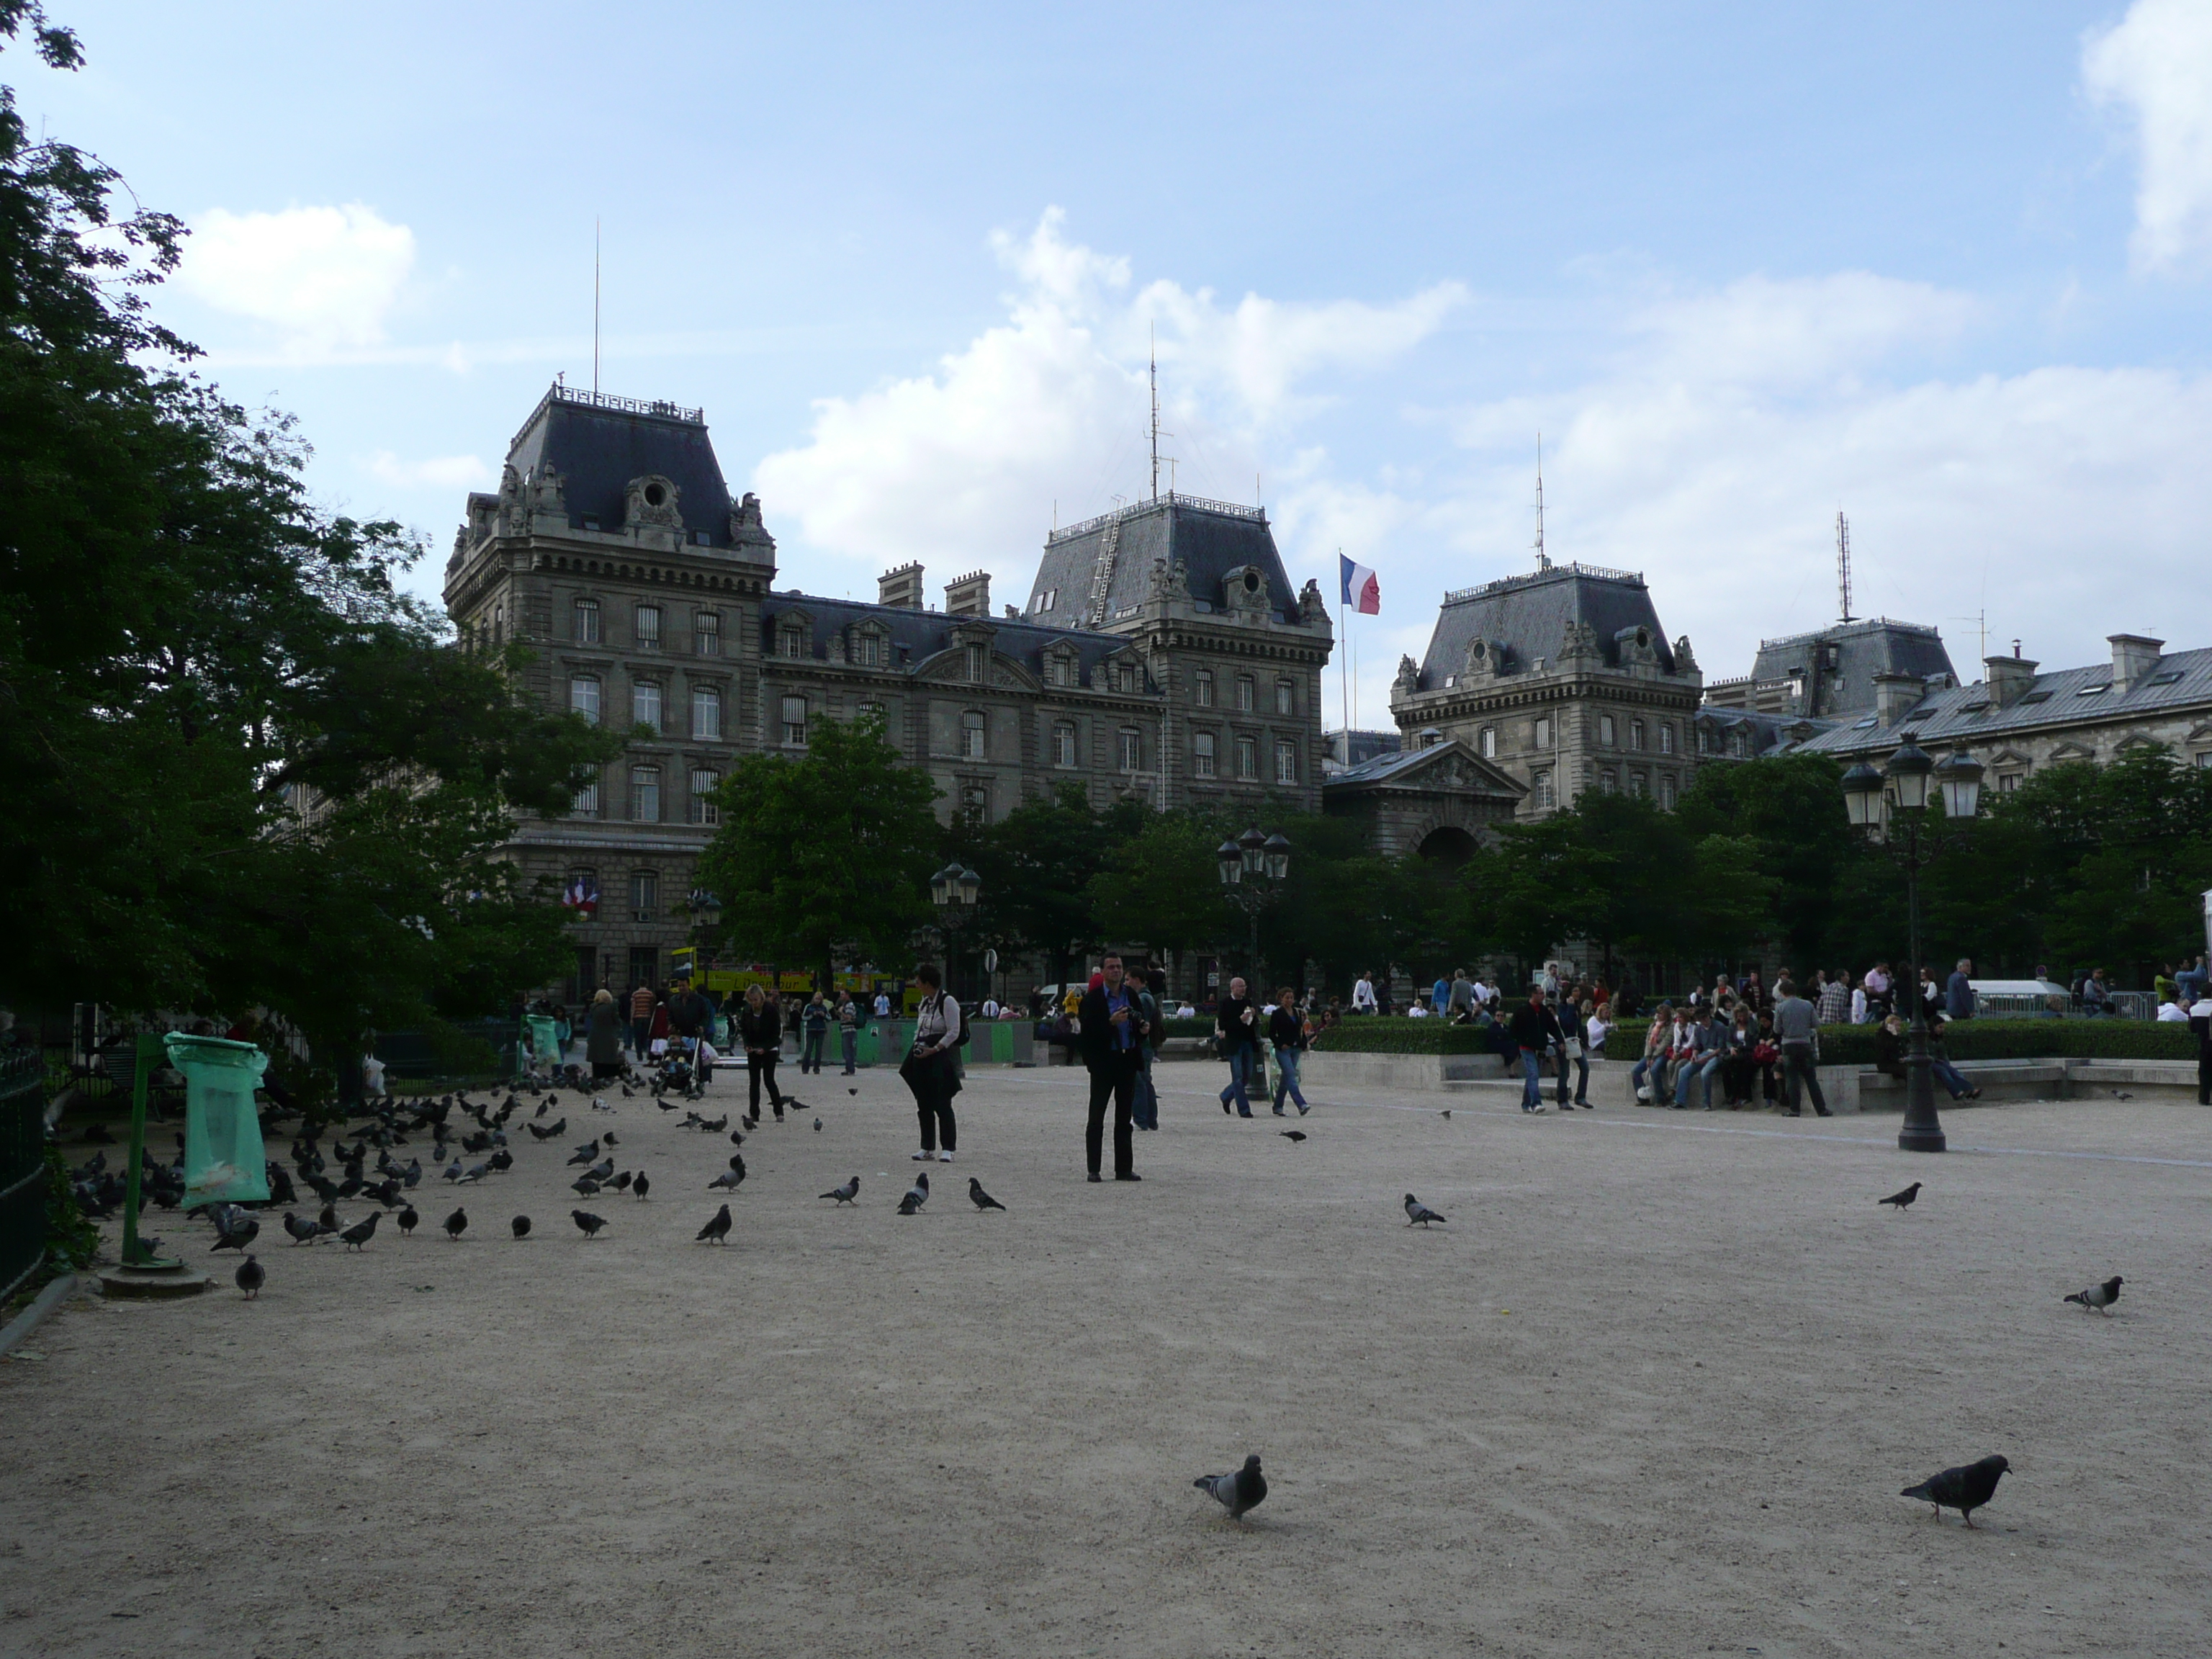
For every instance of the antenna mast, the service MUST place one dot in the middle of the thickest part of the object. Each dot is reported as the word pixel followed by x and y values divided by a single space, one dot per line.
pixel 1543 559
pixel 1844 561
pixel 1156 413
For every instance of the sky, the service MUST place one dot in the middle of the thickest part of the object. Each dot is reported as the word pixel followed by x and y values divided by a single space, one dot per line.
pixel 1944 268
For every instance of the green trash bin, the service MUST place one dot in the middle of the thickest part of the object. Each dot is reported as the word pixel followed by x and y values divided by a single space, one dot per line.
pixel 545 1039
pixel 223 1156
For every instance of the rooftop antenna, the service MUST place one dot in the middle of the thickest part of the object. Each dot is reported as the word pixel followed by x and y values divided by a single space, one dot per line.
pixel 1844 561
pixel 1156 416
pixel 595 306
pixel 1543 559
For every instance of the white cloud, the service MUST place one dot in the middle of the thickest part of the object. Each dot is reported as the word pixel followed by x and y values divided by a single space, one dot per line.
pixel 439 472
pixel 2156 64
pixel 962 467
pixel 320 279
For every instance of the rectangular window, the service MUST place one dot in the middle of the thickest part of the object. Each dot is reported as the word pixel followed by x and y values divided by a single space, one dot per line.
pixel 645 794
pixel 1063 746
pixel 1125 676
pixel 1204 685
pixel 872 650
pixel 788 642
pixel 1635 785
pixel 975 801
pixel 1132 750
pixel 2008 782
pixel 1543 730
pixel 587 621
pixel 1248 758
pixel 1609 782
pixel 1284 697
pixel 648 628
pixel 794 722
pixel 1201 754
pixel 872 711
pixel 587 804
pixel 975 665
pixel 1667 791
pixel 1245 694
pixel 1636 736
pixel 704 782
pixel 972 734
pixel 707 633
pixel 1490 743
pixel 1545 799
pixel 1605 729
pixel 707 713
pixel 584 696
pixel 1666 736
pixel 1046 600
pixel 1286 762
pixel 645 705
pixel 644 896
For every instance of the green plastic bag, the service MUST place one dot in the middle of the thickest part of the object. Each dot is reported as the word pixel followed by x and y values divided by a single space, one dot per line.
pixel 545 1039
pixel 223 1157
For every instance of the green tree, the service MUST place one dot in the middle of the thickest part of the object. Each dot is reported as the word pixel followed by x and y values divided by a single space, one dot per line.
pixel 1162 886
pixel 824 854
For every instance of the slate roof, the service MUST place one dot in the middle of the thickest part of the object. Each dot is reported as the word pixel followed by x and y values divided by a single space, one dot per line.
pixel 1770 734
pixel 917 635
pixel 1210 538
pixel 1527 618
pixel 599 444
pixel 1968 715
pixel 1863 649
pixel 1384 767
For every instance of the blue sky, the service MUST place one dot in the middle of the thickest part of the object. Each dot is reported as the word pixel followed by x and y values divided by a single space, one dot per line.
pixel 1944 267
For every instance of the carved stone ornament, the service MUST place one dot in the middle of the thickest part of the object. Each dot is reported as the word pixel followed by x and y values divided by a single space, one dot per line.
pixel 1684 660
pixel 650 500
pixel 1409 675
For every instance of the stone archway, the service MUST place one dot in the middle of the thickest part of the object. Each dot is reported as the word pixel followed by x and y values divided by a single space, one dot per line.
pixel 1448 845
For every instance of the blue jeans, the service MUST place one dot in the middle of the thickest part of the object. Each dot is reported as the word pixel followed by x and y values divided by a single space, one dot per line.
pixel 1240 1068
pixel 1652 1070
pixel 1948 1074
pixel 1146 1107
pixel 810 1058
pixel 1689 1074
pixel 1287 1067
pixel 1532 1079
pixel 850 1037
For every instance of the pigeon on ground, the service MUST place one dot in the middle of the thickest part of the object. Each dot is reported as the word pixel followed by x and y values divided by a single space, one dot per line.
pixel 983 1200
pixel 638 1187
pixel 521 1225
pixel 250 1277
pixel 729 1181
pixel 818 1126
pixel 303 1232
pixel 584 1188
pixel 608 1139
pixel 586 1154
pixel 477 1173
pixel 717 1126
pixel 1291 1134
pixel 851 1091
pixel 457 1224
pixel 1965 1489
pixel 2120 1094
pixel 453 1171
pixel 1447 1111
pixel 362 1231
pixel 2099 1296
pixel 237 1232
pixel 602 1172
pixel 1418 1212
pixel 621 1181
pixel 717 1230
pixel 737 1136
pixel 916 1196
pixel 1238 1491
pixel 846 1193
pixel 327 1220
pixel 591 1224
pixel 409 1221
pixel 1904 1199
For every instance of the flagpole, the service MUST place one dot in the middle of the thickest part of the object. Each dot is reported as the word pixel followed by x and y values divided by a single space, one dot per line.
pixel 1343 675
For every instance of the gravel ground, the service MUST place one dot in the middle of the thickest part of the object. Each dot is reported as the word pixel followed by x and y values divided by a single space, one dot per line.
pixel 1653 1390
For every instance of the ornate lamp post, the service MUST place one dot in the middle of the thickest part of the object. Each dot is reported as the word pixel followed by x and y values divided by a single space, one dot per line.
pixel 956 891
pixel 1901 791
pixel 705 913
pixel 1254 869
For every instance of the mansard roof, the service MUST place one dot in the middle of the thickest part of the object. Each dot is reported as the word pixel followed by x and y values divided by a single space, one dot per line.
pixel 1210 539
pixel 1839 663
pixel 1525 617
pixel 600 443
pixel 915 637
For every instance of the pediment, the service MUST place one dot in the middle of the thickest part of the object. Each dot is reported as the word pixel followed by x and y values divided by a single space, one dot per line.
pixel 2011 757
pixel 2073 751
pixel 1452 765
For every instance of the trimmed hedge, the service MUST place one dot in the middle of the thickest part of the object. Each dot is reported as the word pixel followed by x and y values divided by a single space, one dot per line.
pixel 1984 1039
pixel 1198 1025
pixel 1371 1034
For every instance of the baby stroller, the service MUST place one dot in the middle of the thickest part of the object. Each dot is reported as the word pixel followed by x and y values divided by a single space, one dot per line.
pixel 679 1071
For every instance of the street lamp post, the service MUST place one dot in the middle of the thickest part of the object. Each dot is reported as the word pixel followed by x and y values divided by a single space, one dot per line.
pixel 1901 788
pixel 705 911
pixel 1254 868
pixel 956 892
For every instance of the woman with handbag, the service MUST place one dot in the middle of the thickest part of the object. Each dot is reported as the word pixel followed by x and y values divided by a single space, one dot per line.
pixel 930 1070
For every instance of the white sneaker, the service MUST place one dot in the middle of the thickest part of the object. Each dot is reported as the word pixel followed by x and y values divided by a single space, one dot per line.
pixel 945 1157
pixel 923 1156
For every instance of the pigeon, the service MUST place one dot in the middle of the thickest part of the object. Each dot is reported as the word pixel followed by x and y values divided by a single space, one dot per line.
pixel 981 1200
pixel 1417 1210
pixel 453 1171
pixel 478 1173
pixel 1447 1112
pixel 457 1224
pixel 638 1186
pixel 585 1188
pixel 717 1126
pixel 621 1181
pixel 609 1139
pixel 729 1181
pixel 846 1193
pixel 2120 1094
pixel 818 1126
pixel 851 1091
pixel 591 1224
pixel 717 1230
pixel 521 1225
pixel 1291 1134
pixel 586 1153
pixel 916 1196
pixel 1238 1491
pixel 737 1136
pixel 237 1232
pixel 250 1277
pixel 303 1232
pixel 2099 1296
pixel 408 1221
pixel 327 1221
pixel 1904 1199
pixel 1965 1489
pixel 602 1172
pixel 362 1231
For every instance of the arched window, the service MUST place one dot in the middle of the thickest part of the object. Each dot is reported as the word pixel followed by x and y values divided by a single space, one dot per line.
pixel 794 722
pixel 1286 762
pixel 972 734
pixel 1203 684
pixel 707 633
pixel 587 621
pixel 584 696
pixel 1132 750
pixel 707 713
pixel 1245 694
pixel 1284 697
pixel 1063 746
pixel 1202 754
pixel 1248 759
pixel 1635 785
pixel 645 705
pixel 645 794
pixel 704 782
pixel 1609 782
pixel 975 801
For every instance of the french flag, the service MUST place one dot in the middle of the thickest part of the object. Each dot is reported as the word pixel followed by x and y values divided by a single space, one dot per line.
pixel 1362 592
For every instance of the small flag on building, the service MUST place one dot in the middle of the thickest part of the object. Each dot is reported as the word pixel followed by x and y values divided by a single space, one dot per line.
pixel 1362 592
pixel 582 893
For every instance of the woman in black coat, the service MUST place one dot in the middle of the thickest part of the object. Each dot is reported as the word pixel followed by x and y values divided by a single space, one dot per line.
pixel 760 1028
pixel 602 1036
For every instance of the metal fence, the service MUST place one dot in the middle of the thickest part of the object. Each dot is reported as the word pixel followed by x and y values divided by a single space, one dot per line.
pixel 22 1165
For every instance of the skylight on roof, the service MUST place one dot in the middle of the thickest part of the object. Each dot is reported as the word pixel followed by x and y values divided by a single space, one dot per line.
pixel 1982 708
pixel 2094 690
pixel 2166 678
pixel 2036 696
pixel 1864 724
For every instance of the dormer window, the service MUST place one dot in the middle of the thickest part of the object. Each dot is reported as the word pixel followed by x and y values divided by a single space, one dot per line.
pixel 1125 676
pixel 975 654
pixel 868 649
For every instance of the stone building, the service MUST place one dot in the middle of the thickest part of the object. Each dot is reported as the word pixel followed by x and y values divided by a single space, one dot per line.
pixel 1164 655
pixel 1830 674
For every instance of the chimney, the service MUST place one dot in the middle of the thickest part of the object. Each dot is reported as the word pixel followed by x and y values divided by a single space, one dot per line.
pixel 2009 676
pixel 968 595
pixel 2134 656
pixel 901 587
pixel 1896 696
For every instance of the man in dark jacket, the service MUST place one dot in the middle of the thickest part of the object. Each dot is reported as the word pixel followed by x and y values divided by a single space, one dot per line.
pixel 1237 1038
pixel 1533 1028
pixel 1112 1041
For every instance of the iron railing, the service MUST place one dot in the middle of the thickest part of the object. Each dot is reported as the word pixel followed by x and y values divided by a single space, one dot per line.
pixel 22 1165
pixel 1228 510
pixel 1602 572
